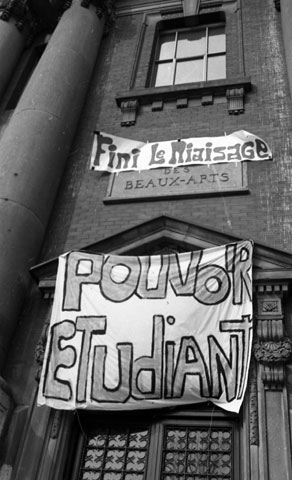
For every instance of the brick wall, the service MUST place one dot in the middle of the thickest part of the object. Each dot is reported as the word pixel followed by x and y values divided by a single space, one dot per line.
pixel 80 217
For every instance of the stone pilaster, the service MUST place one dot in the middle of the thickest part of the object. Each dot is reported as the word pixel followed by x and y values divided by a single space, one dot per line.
pixel 34 148
pixel 272 350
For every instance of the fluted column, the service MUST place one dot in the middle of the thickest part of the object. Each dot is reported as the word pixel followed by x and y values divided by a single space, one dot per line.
pixel 34 148
pixel 286 15
pixel 16 25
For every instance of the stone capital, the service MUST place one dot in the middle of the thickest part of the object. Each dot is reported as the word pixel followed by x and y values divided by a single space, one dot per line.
pixel 19 12
pixel 102 8
pixel 273 353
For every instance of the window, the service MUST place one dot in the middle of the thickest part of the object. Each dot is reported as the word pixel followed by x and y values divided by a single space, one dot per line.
pixel 190 55
pixel 184 60
pixel 199 447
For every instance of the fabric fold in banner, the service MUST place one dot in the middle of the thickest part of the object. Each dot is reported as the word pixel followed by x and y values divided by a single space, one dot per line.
pixel 150 331
pixel 116 154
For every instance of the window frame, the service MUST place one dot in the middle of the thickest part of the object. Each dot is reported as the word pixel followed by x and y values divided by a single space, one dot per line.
pixel 176 60
pixel 140 92
pixel 202 415
pixel 196 422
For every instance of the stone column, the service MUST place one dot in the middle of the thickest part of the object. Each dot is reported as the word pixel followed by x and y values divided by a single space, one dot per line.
pixel 17 24
pixel 35 145
pixel 286 14
pixel 272 349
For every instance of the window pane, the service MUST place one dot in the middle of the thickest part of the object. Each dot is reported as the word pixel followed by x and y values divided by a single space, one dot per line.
pixel 191 44
pixel 216 67
pixel 189 71
pixel 217 40
pixel 167 43
pixel 164 74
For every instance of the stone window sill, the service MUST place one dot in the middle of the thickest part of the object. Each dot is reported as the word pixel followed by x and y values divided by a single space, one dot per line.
pixel 233 88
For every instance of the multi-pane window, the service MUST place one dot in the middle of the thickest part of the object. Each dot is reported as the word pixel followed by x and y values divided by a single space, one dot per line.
pixel 116 453
pixel 190 55
pixel 165 450
pixel 197 453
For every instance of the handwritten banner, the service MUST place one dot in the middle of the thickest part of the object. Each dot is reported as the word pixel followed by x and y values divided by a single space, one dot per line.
pixel 116 154
pixel 150 331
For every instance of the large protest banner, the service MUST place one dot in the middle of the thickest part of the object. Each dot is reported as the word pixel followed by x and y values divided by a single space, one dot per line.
pixel 150 331
pixel 116 154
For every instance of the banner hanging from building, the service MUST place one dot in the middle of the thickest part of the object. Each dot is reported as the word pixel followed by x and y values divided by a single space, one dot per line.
pixel 116 154
pixel 150 331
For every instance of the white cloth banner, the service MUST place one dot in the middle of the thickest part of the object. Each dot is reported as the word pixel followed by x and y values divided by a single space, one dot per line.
pixel 151 331
pixel 116 154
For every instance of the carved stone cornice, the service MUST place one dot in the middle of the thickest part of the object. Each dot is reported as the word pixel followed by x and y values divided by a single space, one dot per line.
pixel 19 11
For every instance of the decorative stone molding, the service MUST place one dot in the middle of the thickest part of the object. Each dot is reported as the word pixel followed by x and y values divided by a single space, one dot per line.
pixel 129 110
pixel 270 328
pixel 207 100
pixel 15 8
pixel 204 91
pixel 277 5
pixel 102 8
pixel 273 352
pixel 56 423
pixel 182 102
pixel 273 377
pixel 21 13
pixel 40 351
pixel 272 287
pixel 271 348
pixel 235 97
pixel 67 4
pixel 157 106
pixel 253 406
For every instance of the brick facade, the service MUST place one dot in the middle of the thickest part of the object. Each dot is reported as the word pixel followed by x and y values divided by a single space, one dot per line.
pixel 40 443
pixel 80 216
